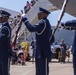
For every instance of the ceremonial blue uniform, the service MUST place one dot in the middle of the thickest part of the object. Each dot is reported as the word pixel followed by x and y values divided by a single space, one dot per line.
pixel 72 24
pixel 5 36
pixel 43 47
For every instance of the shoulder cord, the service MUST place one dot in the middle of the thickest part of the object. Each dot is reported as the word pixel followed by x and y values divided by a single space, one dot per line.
pixel 42 30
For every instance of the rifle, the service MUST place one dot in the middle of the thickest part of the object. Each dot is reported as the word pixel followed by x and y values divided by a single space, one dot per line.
pixel 15 36
pixel 60 17
pixel 19 26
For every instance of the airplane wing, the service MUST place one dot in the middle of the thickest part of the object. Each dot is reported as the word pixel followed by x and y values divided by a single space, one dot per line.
pixel 71 6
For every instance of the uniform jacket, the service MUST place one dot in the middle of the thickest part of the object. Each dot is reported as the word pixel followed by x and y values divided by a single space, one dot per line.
pixel 72 24
pixel 5 36
pixel 43 32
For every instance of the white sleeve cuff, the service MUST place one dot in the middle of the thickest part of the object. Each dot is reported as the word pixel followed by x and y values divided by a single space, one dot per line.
pixel 26 21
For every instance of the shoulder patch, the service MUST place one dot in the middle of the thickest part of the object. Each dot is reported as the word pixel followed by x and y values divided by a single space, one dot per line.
pixel 5 27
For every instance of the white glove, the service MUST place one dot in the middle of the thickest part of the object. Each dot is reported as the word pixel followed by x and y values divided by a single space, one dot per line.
pixel 24 18
pixel 23 15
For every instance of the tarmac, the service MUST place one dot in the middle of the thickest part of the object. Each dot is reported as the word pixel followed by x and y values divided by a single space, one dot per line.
pixel 55 68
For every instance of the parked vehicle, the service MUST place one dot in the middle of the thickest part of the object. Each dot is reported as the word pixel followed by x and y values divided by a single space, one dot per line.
pixel 55 51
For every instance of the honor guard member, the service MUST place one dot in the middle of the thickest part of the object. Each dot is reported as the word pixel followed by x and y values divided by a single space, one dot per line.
pixel 43 47
pixel 72 25
pixel 5 36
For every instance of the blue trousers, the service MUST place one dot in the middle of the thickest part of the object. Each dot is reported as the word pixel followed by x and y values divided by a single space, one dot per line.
pixel 74 63
pixel 42 66
pixel 4 70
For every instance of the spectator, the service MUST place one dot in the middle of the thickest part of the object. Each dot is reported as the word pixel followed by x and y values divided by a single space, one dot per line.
pixel 28 5
pixel 63 50
pixel 18 17
pixel 21 55
pixel 33 2
pixel 25 9
pixel 15 21
pixel 11 24
pixel 21 11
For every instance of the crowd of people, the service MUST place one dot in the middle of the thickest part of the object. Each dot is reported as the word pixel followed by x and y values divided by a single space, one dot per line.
pixel 21 52
pixel 29 5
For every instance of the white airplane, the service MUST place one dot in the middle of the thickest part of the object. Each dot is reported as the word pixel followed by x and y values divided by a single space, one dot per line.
pixel 71 6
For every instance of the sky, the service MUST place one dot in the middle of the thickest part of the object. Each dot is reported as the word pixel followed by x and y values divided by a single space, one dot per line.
pixel 53 17
pixel 18 5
